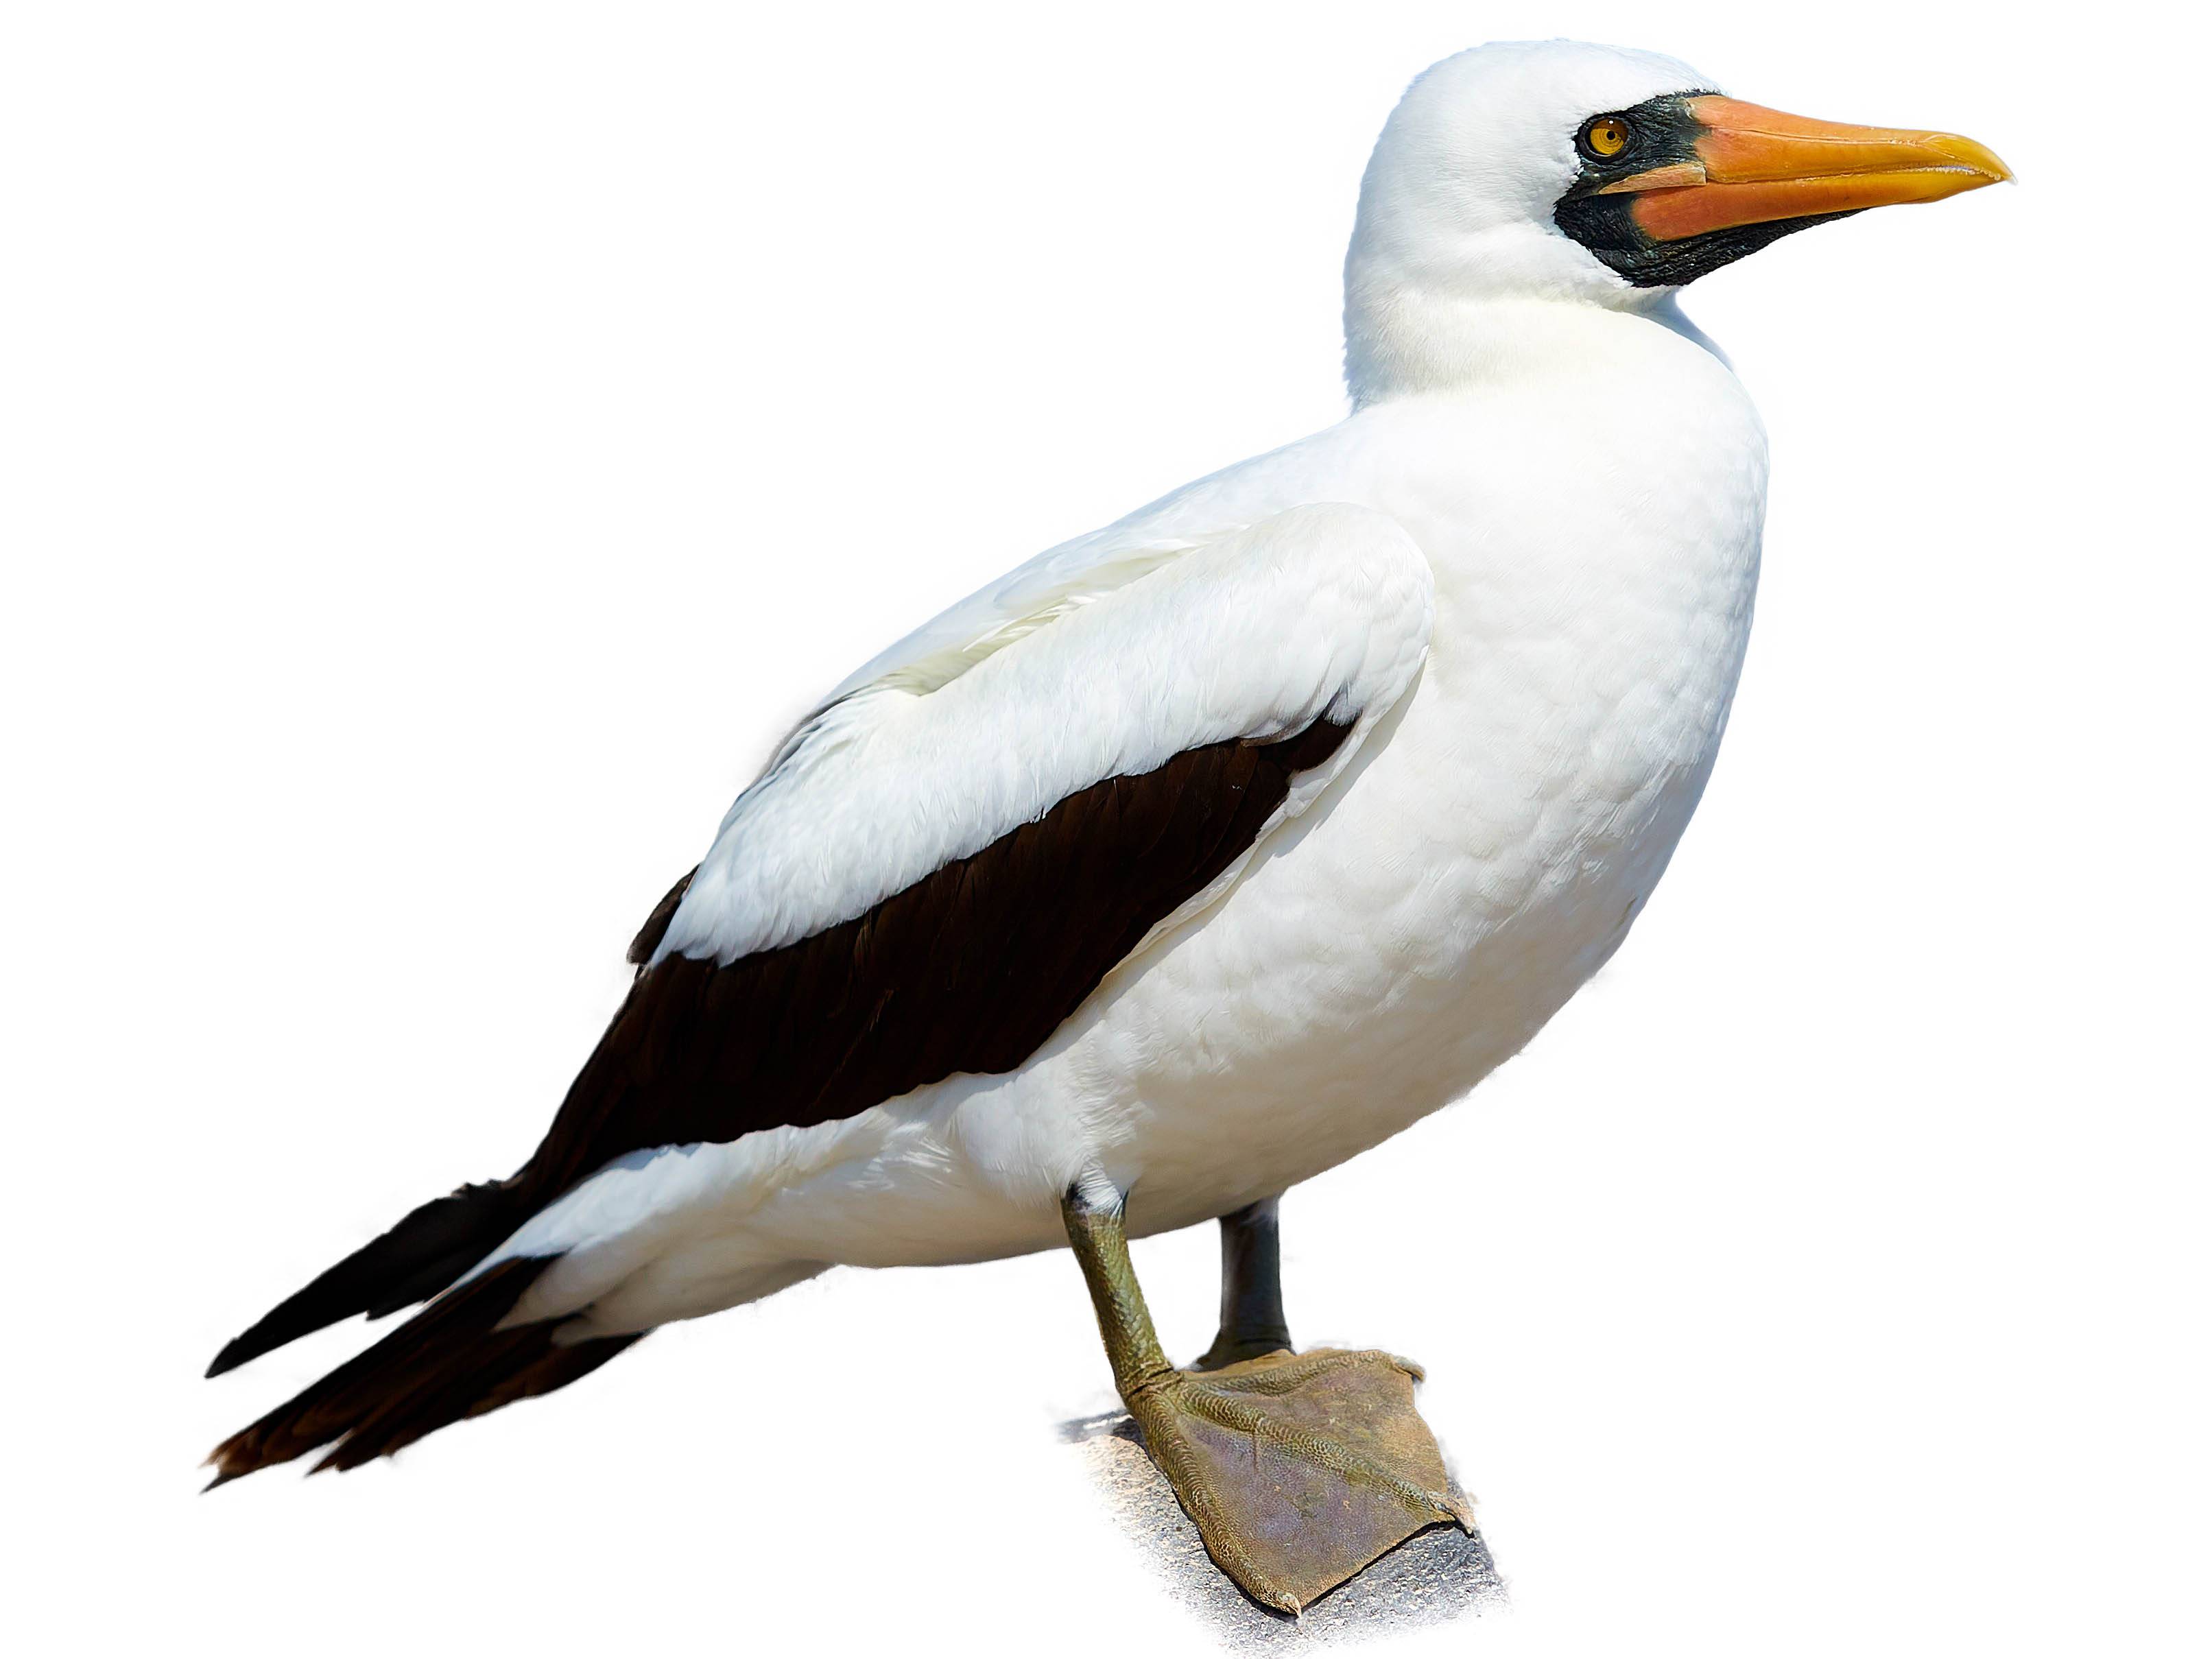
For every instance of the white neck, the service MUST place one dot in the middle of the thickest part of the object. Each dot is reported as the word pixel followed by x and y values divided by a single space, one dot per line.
pixel 1400 340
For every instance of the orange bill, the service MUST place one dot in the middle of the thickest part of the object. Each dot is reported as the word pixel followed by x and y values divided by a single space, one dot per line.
pixel 1755 165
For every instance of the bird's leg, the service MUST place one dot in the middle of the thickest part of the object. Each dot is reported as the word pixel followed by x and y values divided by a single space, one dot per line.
pixel 1252 1321
pixel 1297 1469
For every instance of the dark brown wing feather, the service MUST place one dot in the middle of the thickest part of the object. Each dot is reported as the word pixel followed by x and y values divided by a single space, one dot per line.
pixel 656 925
pixel 969 969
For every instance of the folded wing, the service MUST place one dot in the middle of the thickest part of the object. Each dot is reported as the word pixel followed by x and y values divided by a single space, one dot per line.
pixel 946 860
pixel 930 881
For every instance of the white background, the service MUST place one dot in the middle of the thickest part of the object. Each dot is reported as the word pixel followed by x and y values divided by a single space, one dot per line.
pixel 444 444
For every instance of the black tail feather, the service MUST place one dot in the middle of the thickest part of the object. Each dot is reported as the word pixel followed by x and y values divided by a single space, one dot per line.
pixel 450 1362
pixel 527 1364
pixel 430 1248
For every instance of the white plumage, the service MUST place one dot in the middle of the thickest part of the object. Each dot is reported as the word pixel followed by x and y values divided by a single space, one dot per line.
pixel 1204 852
pixel 1523 570
pixel 1242 631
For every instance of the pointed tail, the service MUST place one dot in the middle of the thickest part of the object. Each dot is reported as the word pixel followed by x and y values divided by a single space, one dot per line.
pixel 430 1248
pixel 451 1361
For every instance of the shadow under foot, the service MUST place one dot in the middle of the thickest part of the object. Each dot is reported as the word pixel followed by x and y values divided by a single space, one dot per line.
pixel 1434 1575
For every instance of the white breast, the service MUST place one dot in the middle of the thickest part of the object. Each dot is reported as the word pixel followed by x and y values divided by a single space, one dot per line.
pixel 1592 524
pixel 1595 536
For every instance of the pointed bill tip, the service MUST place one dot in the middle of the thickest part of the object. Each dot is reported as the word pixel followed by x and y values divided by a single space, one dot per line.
pixel 1977 157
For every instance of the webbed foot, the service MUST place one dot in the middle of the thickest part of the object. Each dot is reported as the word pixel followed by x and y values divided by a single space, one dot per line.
pixel 1298 1469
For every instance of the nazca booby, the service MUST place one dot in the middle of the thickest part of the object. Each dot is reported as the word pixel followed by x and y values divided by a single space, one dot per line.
pixel 1205 851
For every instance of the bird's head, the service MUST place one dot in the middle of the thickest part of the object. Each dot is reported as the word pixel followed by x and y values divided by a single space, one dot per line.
pixel 1557 170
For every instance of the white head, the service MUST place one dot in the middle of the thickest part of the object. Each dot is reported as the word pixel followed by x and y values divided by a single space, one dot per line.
pixel 1555 171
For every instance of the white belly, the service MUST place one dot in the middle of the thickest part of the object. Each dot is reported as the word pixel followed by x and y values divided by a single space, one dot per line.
pixel 1467 877
pixel 1483 855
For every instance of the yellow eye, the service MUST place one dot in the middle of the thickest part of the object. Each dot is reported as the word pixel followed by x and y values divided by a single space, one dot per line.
pixel 1608 135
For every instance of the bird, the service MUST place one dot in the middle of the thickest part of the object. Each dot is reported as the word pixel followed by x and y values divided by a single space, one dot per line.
pixel 1203 852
